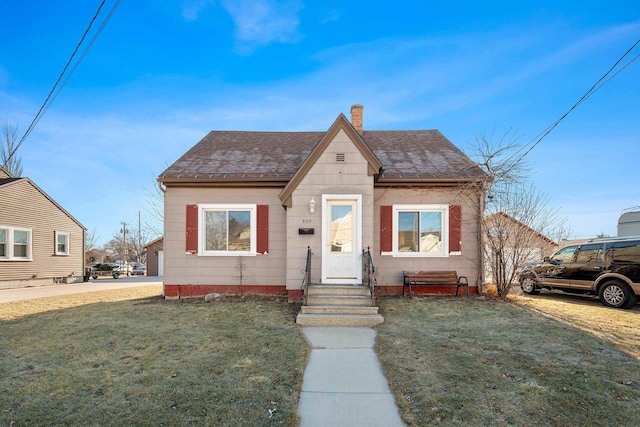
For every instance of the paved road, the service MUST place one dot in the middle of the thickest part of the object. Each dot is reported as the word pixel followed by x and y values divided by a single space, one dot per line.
pixel 8 295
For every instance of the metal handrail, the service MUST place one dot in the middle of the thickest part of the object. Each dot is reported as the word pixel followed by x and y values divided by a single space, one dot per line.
pixel 307 276
pixel 369 273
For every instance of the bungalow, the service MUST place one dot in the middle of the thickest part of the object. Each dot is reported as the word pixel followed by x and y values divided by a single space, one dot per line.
pixel 257 212
pixel 40 242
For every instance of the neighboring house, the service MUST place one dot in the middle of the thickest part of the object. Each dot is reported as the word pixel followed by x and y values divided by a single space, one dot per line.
pixel 241 209
pixel 155 258
pixel 40 242
pixel 519 243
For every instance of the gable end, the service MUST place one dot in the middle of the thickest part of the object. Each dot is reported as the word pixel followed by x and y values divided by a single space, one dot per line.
pixel 341 123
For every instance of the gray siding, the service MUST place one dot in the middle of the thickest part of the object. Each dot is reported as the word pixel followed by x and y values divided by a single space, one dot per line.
pixel 467 264
pixel 327 176
pixel 181 268
pixel 23 205
pixel 152 257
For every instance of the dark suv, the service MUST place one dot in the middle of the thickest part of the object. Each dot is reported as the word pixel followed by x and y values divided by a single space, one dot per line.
pixel 609 268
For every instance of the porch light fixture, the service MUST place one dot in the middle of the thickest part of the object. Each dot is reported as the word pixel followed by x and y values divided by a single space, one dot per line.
pixel 312 205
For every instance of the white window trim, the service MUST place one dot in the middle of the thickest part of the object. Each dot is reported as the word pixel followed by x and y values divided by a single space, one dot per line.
pixel 10 243
pixel 68 243
pixel 252 208
pixel 443 209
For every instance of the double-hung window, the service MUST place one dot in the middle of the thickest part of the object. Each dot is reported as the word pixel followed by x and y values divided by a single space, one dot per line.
pixel 227 229
pixel 15 243
pixel 3 243
pixel 62 243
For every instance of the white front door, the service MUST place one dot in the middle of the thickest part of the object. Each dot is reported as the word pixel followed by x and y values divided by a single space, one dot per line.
pixel 341 239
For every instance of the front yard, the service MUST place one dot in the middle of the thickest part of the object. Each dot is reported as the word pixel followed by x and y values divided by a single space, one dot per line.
pixel 145 361
pixel 129 358
pixel 547 360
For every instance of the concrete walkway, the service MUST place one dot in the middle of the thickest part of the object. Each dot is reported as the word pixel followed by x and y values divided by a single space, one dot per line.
pixel 343 384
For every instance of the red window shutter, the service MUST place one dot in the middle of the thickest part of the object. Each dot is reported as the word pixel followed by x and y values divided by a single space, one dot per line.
pixel 262 232
pixel 192 229
pixel 455 228
pixel 386 228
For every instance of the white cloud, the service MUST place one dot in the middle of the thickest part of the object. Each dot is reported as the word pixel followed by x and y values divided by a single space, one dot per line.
pixel 192 8
pixel 332 15
pixel 261 22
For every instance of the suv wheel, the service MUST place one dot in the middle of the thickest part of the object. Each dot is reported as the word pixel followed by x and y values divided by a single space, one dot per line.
pixel 615 294
pixel 529 286
pixel 633 300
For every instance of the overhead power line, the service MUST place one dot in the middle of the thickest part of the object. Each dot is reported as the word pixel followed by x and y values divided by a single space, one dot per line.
pixel 64 76
pixel 596 86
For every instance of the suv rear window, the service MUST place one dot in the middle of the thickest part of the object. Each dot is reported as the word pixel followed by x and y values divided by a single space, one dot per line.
pixel 626 251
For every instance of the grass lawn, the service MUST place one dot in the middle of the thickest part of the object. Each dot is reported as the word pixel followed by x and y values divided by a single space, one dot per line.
pixel 105 359
pixel 546 360
pixel 127 357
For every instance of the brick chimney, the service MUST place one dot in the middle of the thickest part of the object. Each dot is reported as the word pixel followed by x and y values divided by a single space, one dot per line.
pixel 356 117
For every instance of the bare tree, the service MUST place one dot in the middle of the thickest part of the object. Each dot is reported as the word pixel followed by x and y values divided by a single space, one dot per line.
pixel 130 245
pixel 8 158
pixel 518 227
pixel 91 240
pixel 516 215
pixel 155 208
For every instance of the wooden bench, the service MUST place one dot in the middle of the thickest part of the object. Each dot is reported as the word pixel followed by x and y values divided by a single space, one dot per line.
pixel 434 278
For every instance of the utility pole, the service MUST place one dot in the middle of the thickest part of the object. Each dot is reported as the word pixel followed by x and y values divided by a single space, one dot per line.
pixel 124 242
pixel 139 249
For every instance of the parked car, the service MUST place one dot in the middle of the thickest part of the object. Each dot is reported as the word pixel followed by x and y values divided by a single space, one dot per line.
pixel 104 270
pixel 123 269
pixel 140 270
pixel 608 267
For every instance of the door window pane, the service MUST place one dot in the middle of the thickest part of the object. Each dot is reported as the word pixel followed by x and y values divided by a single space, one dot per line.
pixel 564 255
pixel 341 238
pixel 589 253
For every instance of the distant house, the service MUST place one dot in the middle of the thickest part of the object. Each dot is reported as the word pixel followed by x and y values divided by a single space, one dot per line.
pixel 155 257
pixel 519 243
pixel 629 222
pixel 241 209
pixel 40 242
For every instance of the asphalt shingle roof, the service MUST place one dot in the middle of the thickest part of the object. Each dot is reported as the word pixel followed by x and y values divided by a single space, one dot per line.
pixel 4 181
pixel 247 155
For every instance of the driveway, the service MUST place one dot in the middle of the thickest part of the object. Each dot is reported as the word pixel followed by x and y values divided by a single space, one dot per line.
pixel 20 294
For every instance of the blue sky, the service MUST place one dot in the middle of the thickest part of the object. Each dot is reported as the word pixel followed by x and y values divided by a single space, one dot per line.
pixel 164 73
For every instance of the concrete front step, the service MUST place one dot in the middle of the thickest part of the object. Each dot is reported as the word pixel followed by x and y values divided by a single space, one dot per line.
pixel 340 300
pixel 334 309
pixel 348 320
pixel 353 290
pixel 339 305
